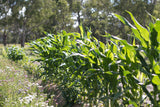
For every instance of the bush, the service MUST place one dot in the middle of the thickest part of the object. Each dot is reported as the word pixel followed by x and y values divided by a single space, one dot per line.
pixel 15 53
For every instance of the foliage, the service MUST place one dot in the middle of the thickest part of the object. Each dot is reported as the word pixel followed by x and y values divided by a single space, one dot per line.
pixel 84 69
pixel 25 20
pixel 145 56
pixel 115 74
pixel 15 53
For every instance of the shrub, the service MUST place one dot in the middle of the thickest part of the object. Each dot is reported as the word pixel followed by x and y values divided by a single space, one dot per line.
pixel 15 53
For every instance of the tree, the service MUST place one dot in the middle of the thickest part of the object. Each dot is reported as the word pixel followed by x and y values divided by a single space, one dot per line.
pixel 5 19
pixel 60 19
pixel 76 7
pixel 30 15
pixel 137 7
pixel 95 15
pixel 156 11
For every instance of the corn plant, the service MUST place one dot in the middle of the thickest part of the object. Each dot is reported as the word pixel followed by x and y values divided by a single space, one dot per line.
pixel 83 67
pixel 113 74
pixel 145 56
pixel 15 53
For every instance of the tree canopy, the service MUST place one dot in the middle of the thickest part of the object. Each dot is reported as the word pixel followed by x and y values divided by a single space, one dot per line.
pixel 25 20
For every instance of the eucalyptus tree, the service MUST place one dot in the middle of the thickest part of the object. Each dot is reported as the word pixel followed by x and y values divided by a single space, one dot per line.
pixel 96 14
pixel 138 7
pixel 5 19
pixel 156 11
pixel 76 7
pixel 30 15
pixel 61 17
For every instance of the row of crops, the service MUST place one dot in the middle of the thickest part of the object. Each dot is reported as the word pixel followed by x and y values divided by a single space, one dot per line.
pixel 114 73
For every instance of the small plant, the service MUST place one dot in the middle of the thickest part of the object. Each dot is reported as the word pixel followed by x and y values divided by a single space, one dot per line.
pixel 4 53
pixel 15 53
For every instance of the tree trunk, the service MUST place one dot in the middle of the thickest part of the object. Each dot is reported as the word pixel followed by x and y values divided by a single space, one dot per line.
pixel 4 38
pixel 23 36
pixel 79 21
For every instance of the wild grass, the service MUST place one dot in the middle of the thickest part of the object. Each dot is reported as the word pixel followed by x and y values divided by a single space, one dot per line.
pixel 17 89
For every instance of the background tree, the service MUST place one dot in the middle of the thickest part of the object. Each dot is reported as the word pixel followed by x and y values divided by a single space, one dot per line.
pixel 96 14
pixel 156 11
pixel 76 7
pixel 30 16
pixel 60 19
pixel 25 20
pixel 5 19
pixel 139 8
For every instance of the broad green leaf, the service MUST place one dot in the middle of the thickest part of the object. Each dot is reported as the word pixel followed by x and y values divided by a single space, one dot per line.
pixel 109 72
pixel 156 80
pixel 126 73
pixel 110 55
pixel 144 32
pixel 65 40
pixel 82 31
pixel 102 46
pixel 89 34
pixel 90 60
pixel 157 69
pixel 131 55
pixel 71 84
pixel 127 45
pixel 123 20
pixel 138 36
pixel 157 27
pixel 134 103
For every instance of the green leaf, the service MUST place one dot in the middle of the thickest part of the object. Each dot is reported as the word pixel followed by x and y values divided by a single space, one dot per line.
pixel 156 80
pixel 144 32
pixel 89 34
pixel 126 73
pixel 153 37
pixel 138 36
pixel 82 31
pixel 102 46
pixel 127 45
pixel 109 72
pixel 134 42
pixel 123 20
pixel 90 60
pixel 157 27
pixel 71 84
pixel 156 68
pixel 134 103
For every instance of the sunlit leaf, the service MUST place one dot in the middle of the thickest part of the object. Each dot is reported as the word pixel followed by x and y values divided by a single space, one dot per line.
pixel 156 80
pixel 144 32
pixel 123 20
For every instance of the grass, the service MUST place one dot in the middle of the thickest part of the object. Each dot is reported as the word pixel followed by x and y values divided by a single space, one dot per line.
pixel 1 45
pixel 17 89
